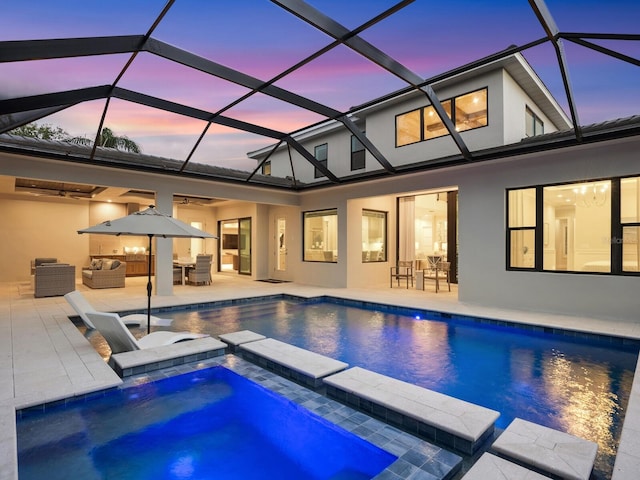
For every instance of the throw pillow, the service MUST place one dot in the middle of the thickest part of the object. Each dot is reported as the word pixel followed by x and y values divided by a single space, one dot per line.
pixel 106 264
pixel 115 264
pixel 96 264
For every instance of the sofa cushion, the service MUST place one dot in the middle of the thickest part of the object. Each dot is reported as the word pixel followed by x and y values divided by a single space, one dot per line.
pixel 115 264
pixel 106 264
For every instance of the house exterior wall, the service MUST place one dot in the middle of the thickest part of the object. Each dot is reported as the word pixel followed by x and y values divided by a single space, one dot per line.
pixel 515 102
pixel 483 276
pixel 506 104
pixel 30 229
pixel 380 126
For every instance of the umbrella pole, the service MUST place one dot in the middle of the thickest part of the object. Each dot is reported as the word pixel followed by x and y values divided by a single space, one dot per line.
pixel 149 288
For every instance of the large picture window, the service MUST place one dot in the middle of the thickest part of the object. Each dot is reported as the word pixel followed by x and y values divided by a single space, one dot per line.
pixel 320 236
pixel 374 236
pixel 466 111
pixel 574 227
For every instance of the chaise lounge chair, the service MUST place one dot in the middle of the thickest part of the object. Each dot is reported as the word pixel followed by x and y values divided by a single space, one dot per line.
pixel 121 340
pixel 82 306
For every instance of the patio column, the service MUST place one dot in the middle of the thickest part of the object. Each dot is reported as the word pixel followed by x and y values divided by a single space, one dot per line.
pixel 164 248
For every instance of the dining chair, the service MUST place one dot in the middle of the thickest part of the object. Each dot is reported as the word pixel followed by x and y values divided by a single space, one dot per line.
pixel 402 271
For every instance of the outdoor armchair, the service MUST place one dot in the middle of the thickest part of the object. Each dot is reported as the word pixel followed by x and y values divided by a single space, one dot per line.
pixel 54 279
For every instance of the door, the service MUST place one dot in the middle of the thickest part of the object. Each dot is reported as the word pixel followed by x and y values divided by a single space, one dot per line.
pixel 244 232
pixel 281 245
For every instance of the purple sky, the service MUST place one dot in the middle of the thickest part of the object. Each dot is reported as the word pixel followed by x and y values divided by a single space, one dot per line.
pixel 260 39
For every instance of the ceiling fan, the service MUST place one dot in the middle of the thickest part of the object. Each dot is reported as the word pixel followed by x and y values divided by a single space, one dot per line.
pixel 187 200
pixel 45 192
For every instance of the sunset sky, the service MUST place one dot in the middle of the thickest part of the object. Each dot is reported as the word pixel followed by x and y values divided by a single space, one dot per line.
pixel 260 39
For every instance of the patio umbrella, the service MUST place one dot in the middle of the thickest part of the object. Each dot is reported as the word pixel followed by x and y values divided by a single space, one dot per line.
pixel 150 223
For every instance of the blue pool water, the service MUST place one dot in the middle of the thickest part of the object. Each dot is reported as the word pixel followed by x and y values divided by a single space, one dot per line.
pixel 577 386
pixel 207 424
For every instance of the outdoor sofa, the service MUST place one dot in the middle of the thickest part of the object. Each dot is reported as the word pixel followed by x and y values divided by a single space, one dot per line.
pixel 104 273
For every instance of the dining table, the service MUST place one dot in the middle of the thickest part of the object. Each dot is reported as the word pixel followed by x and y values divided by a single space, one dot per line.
pixel 184 264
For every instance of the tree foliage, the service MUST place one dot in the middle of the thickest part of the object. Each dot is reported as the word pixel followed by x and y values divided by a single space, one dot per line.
pixel 106 139
pixel 43 131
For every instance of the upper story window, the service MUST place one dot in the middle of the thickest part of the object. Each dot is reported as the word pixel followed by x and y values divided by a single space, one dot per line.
pixel 533 124
pixel 466 111
pixel 266 168
pixel 321 152
pixel 357 154
pixel 575 227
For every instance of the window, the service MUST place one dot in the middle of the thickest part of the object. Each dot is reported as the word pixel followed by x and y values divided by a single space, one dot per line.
pixel 266 168
pixel 374 236
pixel 320 236
pixel 357 154
pixel 433 126
pixel 471 110
pixel 534 125
pixel 408 128
pixel 466 111
pixel 575 227
pixel 321 154
pixel 630 224
pixel 521 229
pixel 575 217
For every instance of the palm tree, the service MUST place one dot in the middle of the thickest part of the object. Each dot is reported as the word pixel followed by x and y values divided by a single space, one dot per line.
pixel 107 139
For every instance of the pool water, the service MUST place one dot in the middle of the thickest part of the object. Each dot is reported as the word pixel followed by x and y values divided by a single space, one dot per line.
pixel 207 424
pixel 573 385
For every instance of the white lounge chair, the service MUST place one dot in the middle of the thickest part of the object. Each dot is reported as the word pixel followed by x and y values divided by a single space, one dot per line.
pixel 121 340
pixel 82 306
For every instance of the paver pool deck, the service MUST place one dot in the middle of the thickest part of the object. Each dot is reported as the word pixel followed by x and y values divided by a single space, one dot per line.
pixel 44 357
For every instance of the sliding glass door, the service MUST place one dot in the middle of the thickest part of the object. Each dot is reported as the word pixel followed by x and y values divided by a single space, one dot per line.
pixel 427 227
pixel 235 245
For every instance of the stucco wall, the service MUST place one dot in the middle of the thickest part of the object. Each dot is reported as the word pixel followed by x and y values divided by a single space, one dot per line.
pixel 482 272
pixel 30 229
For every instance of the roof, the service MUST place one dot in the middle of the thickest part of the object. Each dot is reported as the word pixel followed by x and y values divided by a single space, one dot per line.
pixel 203 83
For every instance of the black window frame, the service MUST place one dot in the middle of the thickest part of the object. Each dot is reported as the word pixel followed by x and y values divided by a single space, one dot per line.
pixel 383 253
pixel 358 154
pixel 315 213
pixel 452 117
pixel 528 111
pixel 323 161
pixel 616 233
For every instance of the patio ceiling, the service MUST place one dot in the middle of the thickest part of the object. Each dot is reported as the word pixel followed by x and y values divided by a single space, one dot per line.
pixel 203 83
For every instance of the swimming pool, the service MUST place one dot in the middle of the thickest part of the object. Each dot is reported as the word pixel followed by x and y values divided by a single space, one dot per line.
pixel 572 384
pixel 212 423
